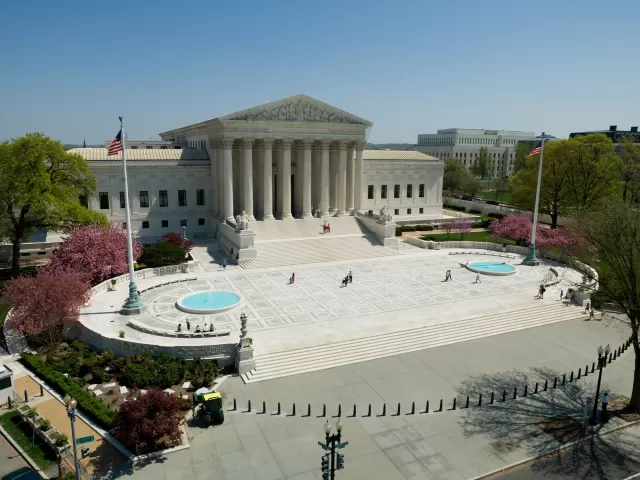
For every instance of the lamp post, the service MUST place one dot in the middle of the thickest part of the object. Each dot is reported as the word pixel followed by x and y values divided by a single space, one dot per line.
pixel 184 232
pixel 71 412
pixel 531 259
pixel 602 362
pixel 332 461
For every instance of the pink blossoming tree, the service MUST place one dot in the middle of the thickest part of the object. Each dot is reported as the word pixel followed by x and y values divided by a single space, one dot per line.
pixel 462 227
pixel 41 304
pixel 518 228
pixel 94 252
pixel 175 238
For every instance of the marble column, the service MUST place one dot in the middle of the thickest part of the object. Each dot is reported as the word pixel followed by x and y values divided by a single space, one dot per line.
pixel 267 181
pixel 227 149
pixel 333 178
pixel 306 178
pixel 284 176
pixel 213 152
pixel 350 160
pixel 342 178
pixel 221 182
pixel 247 180
pixel 358 186
pixel 324 178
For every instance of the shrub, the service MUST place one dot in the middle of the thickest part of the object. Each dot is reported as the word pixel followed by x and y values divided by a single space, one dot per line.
pixel 475 211
pixel 201 373
pixel 61 440
pixel 64 385
pixel 162 254
pixel 428 237
pixel 598 298
pixel 455 207
pixel 44 424
pixel 497 216
pixel 144 371
pixel 423 228
pixel 174 238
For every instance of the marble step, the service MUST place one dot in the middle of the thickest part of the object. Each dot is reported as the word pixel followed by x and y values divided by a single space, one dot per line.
pixel 281 364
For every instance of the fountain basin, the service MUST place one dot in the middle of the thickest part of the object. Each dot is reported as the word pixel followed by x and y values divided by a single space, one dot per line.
pixel 492 268
pixel 207 302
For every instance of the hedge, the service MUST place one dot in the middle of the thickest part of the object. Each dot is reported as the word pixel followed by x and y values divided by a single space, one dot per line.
pixel 497 216
pixel 455 207
pixel 475 211
pixel 413 228
pixel 93 407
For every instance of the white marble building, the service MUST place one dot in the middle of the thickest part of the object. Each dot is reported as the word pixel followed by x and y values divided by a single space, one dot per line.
pixel 292 158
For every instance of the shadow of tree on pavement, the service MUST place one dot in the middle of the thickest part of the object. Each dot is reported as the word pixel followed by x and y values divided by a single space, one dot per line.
pixel 541 422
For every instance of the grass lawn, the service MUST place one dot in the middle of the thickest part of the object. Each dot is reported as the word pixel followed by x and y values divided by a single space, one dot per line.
pixel 469 237
pixel 504 196
pixel 21 433
pixel 4 309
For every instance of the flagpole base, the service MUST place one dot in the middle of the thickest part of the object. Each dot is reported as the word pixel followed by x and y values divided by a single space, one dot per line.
pixel 531 260
pixel 133 305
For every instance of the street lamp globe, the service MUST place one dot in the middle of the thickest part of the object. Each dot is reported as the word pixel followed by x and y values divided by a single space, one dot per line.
pixel 327 428
pixel 67 399
pixel 339 425
pixel 73 403
pixel 607 349
pixel 600 351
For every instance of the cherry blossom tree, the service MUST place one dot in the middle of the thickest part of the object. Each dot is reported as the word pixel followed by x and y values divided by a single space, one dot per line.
pixel 42 304
pixel 175 238
pixel 148 422
pixel 462 227
pixel 518 228
pixel 95 252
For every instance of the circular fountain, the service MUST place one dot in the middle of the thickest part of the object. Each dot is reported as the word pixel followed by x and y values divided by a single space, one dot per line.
pixel 207 302
pixel 491 268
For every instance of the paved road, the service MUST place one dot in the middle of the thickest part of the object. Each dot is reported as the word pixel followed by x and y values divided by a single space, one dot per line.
pixel 590 460
pixel 11 461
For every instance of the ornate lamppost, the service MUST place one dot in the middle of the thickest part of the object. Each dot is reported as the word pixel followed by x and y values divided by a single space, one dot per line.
pixel 71 404
pixel 602 362
pixel 332 461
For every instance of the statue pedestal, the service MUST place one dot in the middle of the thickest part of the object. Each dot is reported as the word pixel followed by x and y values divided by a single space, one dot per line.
pixel 244 359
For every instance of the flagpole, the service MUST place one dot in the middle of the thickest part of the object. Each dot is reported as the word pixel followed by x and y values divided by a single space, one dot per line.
pixel 531 258
pixel 133 305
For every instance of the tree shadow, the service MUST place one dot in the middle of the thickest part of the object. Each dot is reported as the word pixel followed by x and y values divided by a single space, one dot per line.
pixel 107 466
pixel 542 422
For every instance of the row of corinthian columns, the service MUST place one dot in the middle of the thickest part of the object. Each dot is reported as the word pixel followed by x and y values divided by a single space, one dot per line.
pixel 328 177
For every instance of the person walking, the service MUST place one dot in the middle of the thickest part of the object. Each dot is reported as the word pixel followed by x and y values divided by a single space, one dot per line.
pixel 478 278
pixel 188 325
pixel 350 277
pixel 293 278
pixel 224 263
pixel 561 294
pixel 605 404
pixel 328 227
pixel 542 290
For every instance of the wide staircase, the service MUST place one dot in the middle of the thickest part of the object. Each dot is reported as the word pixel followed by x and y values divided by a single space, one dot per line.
pixel 320 357
pixel 302 241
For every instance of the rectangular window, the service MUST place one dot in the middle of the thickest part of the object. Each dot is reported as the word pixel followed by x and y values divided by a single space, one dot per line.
pixel 104 200
pixel 422 210
pixel 84 201
pixel 145 224
pixel 164 198
pixel 408 211
pixel 201 221
pixel 165 223
pixel 200 196
pixel 144 199
pixel 396 191
pixel 421 190
pixel 122 202
pixel 183 222
pixel 124 225
pixel 396 212
pixel 383 191
pixel 182 198
pixel 370 192
pixel 409 191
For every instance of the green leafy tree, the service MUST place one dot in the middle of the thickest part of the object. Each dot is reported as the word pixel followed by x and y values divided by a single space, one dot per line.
pixel 40 187
pixel 483 164
pixel 612 234
pixel 594 169
pixel 470 185
pixel 630 156
pixel 454 175
pixel 554 190
pixel 520 158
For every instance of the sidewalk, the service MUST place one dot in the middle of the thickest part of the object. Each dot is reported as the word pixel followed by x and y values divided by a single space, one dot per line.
pixel 102 457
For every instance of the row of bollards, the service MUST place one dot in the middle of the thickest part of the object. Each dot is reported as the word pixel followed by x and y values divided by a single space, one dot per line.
pixel 525 393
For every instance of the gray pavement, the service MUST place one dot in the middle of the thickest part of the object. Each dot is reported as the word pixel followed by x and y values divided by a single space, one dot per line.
pixel 448 445
pixel 12 462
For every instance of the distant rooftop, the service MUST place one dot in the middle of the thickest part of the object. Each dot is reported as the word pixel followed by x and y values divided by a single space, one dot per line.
pixel 613 133
pixel 143 154
pixel 397 155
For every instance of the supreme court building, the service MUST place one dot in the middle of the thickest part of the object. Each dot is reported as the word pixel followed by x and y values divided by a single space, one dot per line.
pixel 293 158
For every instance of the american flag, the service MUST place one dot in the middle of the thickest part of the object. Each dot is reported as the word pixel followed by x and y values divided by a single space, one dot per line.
pixel 116 145
pixel 535 151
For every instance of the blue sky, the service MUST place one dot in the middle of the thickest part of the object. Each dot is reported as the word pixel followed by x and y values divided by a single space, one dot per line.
pixel 69 68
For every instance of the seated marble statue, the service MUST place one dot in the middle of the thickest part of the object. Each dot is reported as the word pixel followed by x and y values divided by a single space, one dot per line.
pixel 384 215
pixel 242 221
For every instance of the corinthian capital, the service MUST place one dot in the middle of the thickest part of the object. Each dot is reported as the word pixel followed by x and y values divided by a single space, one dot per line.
pixel 359 146
pixel 247 143
pixel 306 144
pixel 285 144
pixel 341 145
pixel 267 143
pixel 227 142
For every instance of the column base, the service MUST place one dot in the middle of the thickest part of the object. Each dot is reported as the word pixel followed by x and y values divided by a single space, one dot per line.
pixel 133 305
pixel 324 214
pixel 351 211
pixel 341 213
pixel 531 260
pixel 286 216
pixel 268 217
pixel 307 215
pixel 333 211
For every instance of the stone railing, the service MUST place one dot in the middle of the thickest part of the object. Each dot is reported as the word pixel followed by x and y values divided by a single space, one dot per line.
pixel 50 435
pixel 216 332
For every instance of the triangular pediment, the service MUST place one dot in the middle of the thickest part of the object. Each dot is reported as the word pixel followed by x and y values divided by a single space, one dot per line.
pixel 299 108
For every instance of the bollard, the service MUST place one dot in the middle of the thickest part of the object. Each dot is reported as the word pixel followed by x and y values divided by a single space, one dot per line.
pixel 293 413
pixel 26 396
pixel 235 405
pixel 586 370
pixel 369 411
pixel 41 390
pixel 526 387
pixel 467 404
pixel 615 355
pixel 555 382
pixel 504 395
pixel 413 408
pixel 491 401
pixel 545 385
pixel 354 410
pixel 264 407
pixel 324 409
pixel 339 410
pixel 564 378
pixel 279 409
pixel 8 402
pixel 309 410
pixel 610 357
pixel 579 372
pixel 619 351
pixel 593 367
pixel 515 392
pixel 455 401
pixel 249 406
pixel 384 409
pixel 535 390
pixel 398 414
pixel 480 401
pixel 426 410
pixel 571 377
pixel 440 405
